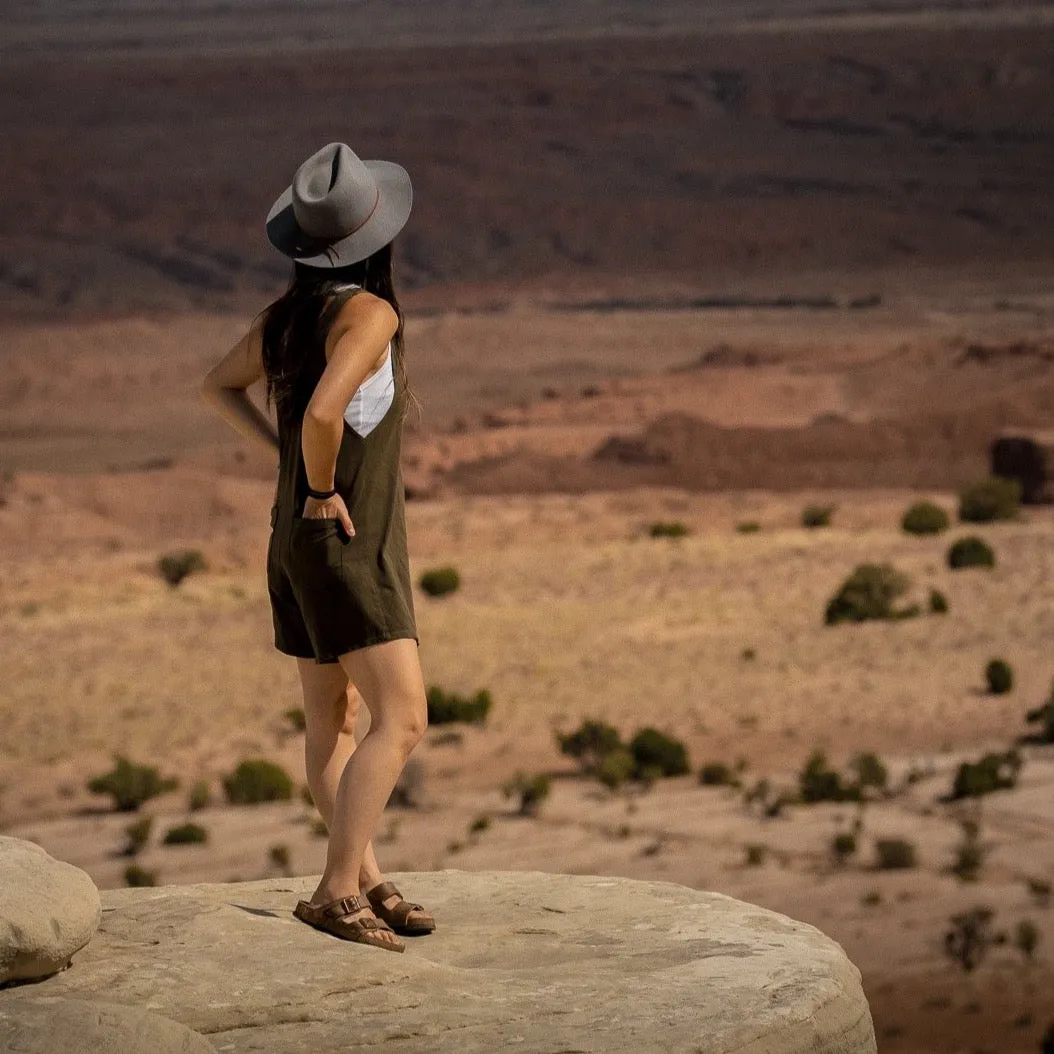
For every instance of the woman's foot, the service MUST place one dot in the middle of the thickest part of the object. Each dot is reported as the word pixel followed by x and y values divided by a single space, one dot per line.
pixel 349 917
pixel 403 916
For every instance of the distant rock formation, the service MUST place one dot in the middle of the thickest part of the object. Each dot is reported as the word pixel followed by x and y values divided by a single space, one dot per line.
pixel 525 960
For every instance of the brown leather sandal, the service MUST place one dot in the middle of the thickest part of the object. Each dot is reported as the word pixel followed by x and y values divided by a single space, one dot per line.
pixel 404 917
pixel 331 918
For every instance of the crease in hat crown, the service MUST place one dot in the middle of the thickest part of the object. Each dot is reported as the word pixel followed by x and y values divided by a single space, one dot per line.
pixel 334 194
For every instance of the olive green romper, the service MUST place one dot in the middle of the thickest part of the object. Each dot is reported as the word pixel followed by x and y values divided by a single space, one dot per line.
pixel 330 592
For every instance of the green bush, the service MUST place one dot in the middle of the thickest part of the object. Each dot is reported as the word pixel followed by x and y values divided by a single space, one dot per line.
pixel 653 749
pixel 134 875
pixel 130 785
pixel 200 796
pixel 1044 714
pixel 868 593
pixel 615 768
pixel 969 854
pixel 970 551
pixel 993 772
pixel 817 782
pixel 817 515
pixel 668 529
pixel 924 517
pixel 279 857
pixel 715 774
pixel 186 834
pixel 590 743
pixel 440 580
pixel 755 854
pixel 533 790
pixel 174 567
pixel 843 845
pixel 480 823
pixel 444 707
pixel 938 602
pixel 870 772
pixel 297 718
pixel 993 498
pixel 138 834
pixel 257 780
pixel 748 527
pixel 1000 677
pixel 895 853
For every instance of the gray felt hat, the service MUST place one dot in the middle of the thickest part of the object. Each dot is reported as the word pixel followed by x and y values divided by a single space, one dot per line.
pixel 341 203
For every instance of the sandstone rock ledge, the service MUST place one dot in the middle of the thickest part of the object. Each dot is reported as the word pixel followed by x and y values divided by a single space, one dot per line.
pixel 542 963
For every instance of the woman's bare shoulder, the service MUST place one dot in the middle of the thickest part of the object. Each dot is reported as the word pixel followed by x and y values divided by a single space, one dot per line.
pixel 363 311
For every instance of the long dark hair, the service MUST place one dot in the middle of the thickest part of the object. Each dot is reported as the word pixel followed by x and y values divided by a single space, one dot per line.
pixel 295 321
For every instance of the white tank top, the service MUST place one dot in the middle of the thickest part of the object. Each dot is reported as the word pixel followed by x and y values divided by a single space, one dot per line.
pixel 373 399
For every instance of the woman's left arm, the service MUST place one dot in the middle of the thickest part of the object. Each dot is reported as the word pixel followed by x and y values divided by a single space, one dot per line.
pixel 224 387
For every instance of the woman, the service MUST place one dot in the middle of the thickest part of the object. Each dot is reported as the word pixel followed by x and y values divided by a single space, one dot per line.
pixel 331 349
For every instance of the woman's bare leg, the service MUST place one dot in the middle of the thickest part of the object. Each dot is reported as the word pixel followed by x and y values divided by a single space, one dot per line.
pixel 388 676
pixel 332 706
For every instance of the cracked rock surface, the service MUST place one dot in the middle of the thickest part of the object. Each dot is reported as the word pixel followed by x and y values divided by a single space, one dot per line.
pixel 541 962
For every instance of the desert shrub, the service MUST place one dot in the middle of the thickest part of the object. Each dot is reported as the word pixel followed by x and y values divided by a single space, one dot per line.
pixel 257 780
pixel 999 677
pixel 174 567
pixel 895 853
pixel 1026 938
pixel 318 828
pixel 817 515
pixel 1044 714
pixel 138 834
pixel 590 743
pixel 438 581
pixel 480 823
pixel 870 772
pixel 200 796
pixel 871 899
pixel 186 834
pixel 668 529
pixel 993 498
pixel 134 875
pixel 755 854
pixel 969 853
pixel 924 517
pixel 715 774
pixel 843 845
pixel 970 551
pixel 868 593
pixel 533 790
pixel 817 782
pixel 615 768
pixel 297 718
pixel 652 749
pixel 748 527
pixel 279 857
pixel 938 602
pixel 993 772
pixel 130 785
pixel 748 654
pixel 969 938
pixel 1039 888
pixel 445 707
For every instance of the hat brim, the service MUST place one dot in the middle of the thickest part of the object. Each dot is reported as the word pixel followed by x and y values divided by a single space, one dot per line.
pixel 390 216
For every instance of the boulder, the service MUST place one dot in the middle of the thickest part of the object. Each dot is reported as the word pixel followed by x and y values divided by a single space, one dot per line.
pixel 1026 455
pixel 42 1024
pixel 48 911
pixel 531 960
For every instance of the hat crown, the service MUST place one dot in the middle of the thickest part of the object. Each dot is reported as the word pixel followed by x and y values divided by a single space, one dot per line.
pixel 333 192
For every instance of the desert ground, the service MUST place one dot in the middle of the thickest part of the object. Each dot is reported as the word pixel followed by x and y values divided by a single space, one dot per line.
pixel 700 275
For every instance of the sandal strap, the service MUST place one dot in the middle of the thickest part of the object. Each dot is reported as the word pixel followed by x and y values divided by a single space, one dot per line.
pixel 342 906
pixel 382 891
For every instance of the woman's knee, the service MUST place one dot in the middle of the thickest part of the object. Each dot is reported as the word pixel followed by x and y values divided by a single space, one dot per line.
pixel 405 715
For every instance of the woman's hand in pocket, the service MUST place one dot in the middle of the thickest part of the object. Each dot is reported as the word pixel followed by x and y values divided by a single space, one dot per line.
pixel 330 509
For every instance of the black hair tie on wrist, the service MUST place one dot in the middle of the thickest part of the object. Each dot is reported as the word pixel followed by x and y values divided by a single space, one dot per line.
pixel 322 495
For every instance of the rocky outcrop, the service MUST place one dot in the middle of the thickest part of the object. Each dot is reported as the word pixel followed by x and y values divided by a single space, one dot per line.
pixel 43 1024
pixel 48 911
pixel 535 961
